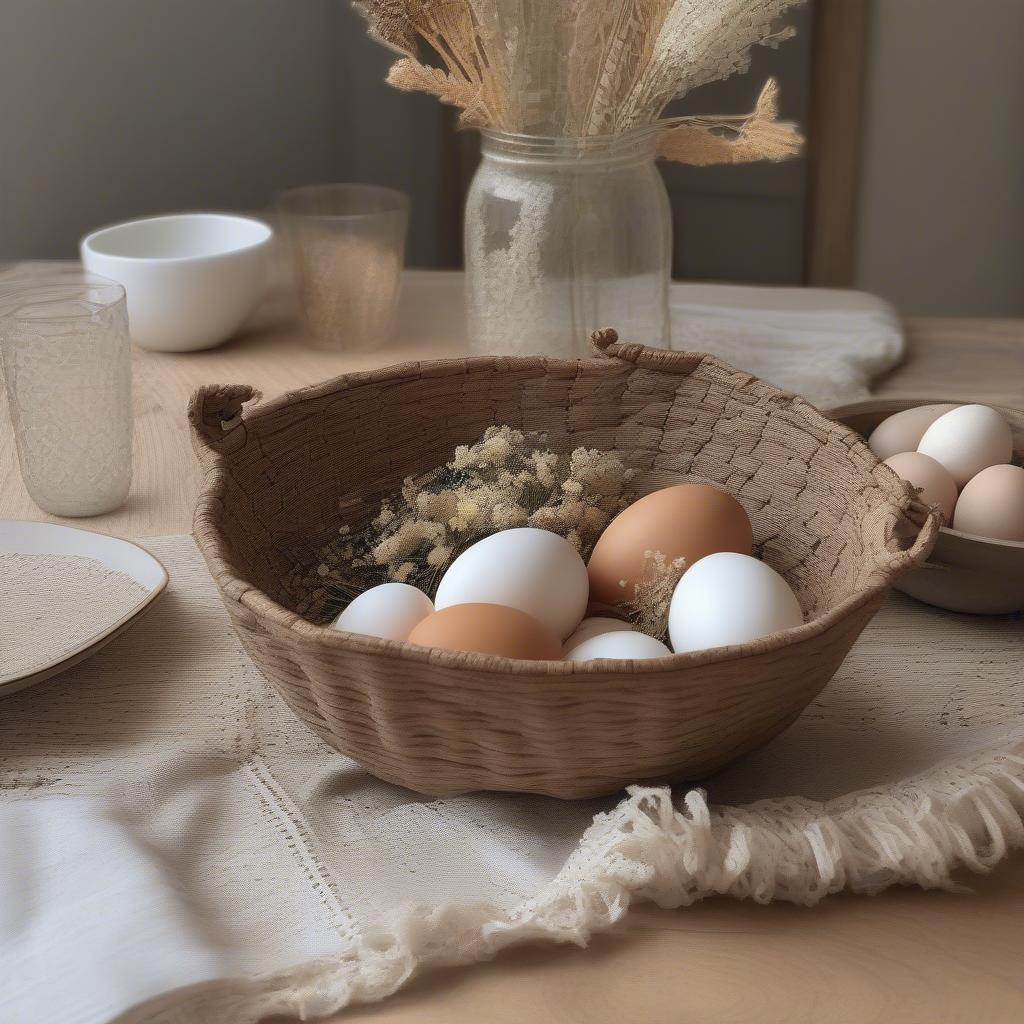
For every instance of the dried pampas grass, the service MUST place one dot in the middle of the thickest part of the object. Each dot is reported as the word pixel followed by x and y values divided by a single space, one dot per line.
pixel 575 68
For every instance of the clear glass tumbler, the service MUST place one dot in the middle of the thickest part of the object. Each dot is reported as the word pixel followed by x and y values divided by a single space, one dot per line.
pixel 564 236
pixel 347 245
pixel 67 368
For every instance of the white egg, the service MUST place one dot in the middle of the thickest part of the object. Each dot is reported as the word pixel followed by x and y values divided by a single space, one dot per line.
pixel 902 432
pixel 533 570
pixel 595 626
pixel 627 645
pixel 391 611
pixel 968 440
pixel 728 598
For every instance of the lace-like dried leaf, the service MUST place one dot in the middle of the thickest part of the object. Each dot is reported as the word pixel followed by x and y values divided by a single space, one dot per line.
pixel 623 58
pixel 586 67
pixel 409 75
pixel 702 41
pixel 389 24
pixel 760 137
pixel 498 28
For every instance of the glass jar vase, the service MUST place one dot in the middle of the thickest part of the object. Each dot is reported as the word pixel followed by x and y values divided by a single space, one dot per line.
pixel 564 236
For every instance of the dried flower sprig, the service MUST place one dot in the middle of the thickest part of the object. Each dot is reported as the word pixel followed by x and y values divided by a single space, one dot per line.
pixel 648 606
pixel 499 482
pixel 590 67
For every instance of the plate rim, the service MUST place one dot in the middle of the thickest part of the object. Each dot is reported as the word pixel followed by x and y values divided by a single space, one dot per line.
pixel 89 646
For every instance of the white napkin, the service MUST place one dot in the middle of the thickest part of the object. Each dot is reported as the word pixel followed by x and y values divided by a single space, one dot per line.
pixel 825 344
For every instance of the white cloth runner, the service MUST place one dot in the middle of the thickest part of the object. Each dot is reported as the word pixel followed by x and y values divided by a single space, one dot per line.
pixel 826 345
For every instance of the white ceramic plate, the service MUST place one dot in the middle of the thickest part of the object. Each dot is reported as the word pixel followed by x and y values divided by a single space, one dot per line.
pixel 22 538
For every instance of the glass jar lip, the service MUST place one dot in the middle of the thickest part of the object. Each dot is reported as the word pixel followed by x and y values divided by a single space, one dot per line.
pixel 632 144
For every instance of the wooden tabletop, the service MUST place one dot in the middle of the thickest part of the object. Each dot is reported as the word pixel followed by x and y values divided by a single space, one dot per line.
pixel 905 956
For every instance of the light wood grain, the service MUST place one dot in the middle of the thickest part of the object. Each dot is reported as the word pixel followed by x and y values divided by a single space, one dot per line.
pixel 907 956
pixel 983 359
pixel 166 474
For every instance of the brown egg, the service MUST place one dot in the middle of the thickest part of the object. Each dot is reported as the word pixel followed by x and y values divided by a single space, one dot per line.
pixel 937 487
pixel 488 629
pixel 902 432
pixel 688 521
pixel 992 504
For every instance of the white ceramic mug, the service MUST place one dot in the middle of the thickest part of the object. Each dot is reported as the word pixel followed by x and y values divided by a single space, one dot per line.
pixel 191 279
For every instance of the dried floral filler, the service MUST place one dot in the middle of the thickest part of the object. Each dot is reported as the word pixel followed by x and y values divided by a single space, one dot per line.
pixel 578 68
pixel 514 550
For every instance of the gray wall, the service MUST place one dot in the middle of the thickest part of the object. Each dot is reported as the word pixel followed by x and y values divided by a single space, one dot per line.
pixel 121 108
pixel 942 197
pixel 746 223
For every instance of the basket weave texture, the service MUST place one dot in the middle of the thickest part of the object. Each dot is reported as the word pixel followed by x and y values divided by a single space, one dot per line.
pixel 837 524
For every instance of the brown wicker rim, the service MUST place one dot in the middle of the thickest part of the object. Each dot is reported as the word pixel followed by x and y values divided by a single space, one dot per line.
pixel 216 414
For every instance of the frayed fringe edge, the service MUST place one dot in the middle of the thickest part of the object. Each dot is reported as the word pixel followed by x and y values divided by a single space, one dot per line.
pixel 966 815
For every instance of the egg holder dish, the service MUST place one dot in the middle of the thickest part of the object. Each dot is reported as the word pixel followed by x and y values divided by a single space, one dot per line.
pixel 964 573
pixel 838 526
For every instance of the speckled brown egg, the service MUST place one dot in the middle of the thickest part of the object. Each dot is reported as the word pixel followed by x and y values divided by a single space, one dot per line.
pixel 488 629
pixel 688 521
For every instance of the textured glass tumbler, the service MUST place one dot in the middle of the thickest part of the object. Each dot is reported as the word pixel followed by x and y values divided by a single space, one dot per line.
pixel 564 236
pixel 67 368
pixel 347 245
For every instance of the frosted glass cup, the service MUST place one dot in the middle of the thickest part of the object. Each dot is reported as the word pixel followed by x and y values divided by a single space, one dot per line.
pixel 347 245
pixel 67 368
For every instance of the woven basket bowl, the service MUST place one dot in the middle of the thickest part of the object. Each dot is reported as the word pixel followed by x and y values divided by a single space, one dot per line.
pixel 834 522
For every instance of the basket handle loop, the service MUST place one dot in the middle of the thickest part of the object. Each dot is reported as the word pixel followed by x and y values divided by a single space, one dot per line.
pixel 916 532
pixel 215 415
pixel 605 344
pixel 928 521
